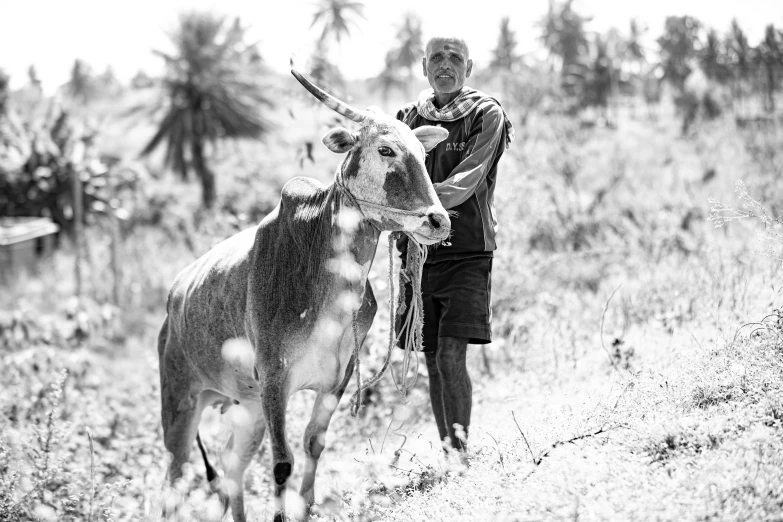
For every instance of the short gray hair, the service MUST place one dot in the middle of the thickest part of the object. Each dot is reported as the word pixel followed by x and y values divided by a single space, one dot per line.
pixel 460 41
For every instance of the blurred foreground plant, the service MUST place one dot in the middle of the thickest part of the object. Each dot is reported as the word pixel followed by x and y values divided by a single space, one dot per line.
pixel 720 214
pixel 41 474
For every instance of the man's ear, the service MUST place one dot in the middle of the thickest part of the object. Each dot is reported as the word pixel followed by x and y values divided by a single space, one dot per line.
pixel 429 136
pixel 340 140
pixel 424 66
pixel 470 68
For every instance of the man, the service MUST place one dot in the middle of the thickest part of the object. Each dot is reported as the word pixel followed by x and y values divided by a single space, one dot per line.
pixel 456 283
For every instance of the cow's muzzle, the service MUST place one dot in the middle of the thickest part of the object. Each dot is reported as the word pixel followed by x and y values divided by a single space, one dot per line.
pixel 435 227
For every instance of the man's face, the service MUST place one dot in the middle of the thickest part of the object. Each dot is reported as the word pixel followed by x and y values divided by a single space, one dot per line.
pixel 447 65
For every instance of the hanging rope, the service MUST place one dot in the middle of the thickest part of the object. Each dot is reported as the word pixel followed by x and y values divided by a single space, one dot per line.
pixel 412 325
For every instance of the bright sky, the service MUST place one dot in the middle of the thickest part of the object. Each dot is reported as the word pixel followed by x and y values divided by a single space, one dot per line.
pixel 52 33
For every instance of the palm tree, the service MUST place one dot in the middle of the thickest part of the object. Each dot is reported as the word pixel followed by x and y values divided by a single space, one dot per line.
pixel 712 58
pixel 770 58
pixel 389 78
pixel 504 56
pixel 4 91
pixel 612 52
pixel 411 49
pixel 634 50
pixel 211 91
pixel 505 61
pixel 739 51
pixel 107 83
pixel 563 34
pixel 32 77
pixel 406 55
pixel 324 73
pixel 600 76
pixel 81 86
pixel 678 46
pixel 335 15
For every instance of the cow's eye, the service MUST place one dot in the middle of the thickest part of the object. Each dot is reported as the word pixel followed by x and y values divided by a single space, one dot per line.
pixel 385 151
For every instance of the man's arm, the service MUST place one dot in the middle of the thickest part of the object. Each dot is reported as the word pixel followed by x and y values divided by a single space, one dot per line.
pixel 482 145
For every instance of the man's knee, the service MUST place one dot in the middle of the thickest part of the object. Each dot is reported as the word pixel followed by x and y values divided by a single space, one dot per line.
pixel 451 354
pixel 452 343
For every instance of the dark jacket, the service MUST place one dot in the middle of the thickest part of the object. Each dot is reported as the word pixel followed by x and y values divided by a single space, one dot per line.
pixel 463 170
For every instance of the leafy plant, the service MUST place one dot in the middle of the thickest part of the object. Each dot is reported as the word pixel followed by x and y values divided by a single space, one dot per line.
pixel 50 152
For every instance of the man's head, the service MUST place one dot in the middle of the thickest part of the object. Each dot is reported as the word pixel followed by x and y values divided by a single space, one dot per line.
pixel 446 65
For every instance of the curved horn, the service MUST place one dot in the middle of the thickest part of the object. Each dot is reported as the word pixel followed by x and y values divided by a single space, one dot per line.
pixel 330 101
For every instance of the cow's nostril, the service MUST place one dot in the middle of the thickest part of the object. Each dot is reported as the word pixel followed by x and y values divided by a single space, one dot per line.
pixel 434 220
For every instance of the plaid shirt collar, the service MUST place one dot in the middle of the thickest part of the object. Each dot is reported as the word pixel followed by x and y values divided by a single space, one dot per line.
pixel 465 102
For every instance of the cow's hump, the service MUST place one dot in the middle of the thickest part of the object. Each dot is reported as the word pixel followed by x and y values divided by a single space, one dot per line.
pixel 298 191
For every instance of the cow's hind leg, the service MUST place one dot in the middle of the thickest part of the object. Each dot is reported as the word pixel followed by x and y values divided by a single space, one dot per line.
pixel 180 419
pixel 248 433
pixel 181 403
pixel 315 434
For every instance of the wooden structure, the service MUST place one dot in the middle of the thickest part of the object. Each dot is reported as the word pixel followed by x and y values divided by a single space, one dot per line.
pixel 24 240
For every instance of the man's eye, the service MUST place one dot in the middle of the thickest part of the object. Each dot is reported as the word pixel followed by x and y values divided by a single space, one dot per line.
pixel 385 151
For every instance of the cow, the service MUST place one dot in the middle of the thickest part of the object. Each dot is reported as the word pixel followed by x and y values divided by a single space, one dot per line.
pixel 280 307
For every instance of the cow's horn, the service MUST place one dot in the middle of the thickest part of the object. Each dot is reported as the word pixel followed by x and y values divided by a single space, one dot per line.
pixel 329 100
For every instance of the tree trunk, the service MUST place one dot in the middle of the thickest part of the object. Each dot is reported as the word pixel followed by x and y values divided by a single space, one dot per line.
pixel 771 87
pixel 204 173
pixel 78 220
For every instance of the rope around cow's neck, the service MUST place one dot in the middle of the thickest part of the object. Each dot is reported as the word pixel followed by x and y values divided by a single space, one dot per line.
pixel 412 326
pixel 360 203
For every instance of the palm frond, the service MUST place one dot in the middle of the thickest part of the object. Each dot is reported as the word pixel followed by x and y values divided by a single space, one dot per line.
pixel 164 130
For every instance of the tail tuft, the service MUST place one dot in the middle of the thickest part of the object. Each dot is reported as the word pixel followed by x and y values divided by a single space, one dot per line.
pixel 211 471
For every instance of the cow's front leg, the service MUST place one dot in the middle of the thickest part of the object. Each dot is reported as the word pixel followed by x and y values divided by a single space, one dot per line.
pixel 315 434
pixel 274 403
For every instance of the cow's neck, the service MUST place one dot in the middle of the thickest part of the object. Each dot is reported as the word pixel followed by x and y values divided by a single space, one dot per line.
pixel 356 241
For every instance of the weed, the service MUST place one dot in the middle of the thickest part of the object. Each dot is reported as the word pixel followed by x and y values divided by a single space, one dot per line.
pixel 681 443
pixel 711 394
pixel 774 413
pixel 11 503
pixel 720 214
pixel 621 354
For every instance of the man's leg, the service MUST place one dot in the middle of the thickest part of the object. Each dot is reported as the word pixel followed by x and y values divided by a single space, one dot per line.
pixel 452 398
pixel 436 393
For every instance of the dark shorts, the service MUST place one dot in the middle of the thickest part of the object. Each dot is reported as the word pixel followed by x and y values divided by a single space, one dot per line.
pixel 456 299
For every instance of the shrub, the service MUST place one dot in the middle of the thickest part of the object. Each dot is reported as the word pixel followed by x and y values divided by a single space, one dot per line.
pixel 38 161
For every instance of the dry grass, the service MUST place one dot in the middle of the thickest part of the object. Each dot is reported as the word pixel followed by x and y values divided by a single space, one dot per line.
pixel 668 416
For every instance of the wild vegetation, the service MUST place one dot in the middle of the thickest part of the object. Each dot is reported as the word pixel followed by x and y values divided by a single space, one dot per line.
pixel 636 370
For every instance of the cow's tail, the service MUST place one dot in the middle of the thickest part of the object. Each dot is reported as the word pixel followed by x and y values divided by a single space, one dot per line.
pixel 211 471
pixel 212 475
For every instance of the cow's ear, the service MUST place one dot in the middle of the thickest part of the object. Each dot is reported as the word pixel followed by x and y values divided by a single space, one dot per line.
pixel 429 136
pixel 340 140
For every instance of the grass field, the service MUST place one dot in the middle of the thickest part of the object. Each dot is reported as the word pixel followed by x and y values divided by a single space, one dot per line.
pixel 635 374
